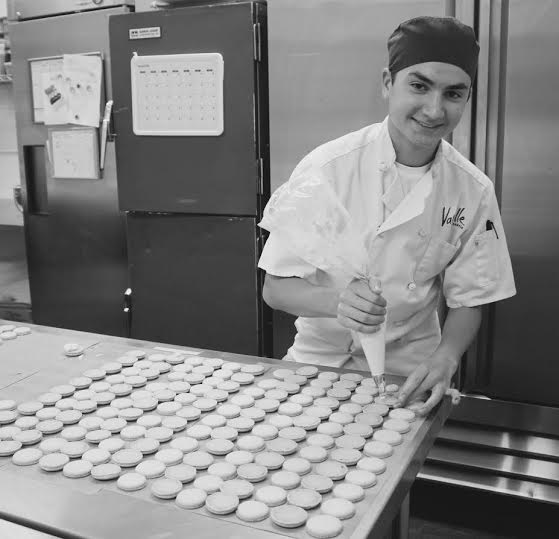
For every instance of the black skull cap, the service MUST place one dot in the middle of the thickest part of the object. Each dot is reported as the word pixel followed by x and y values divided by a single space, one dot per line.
pixel 433 39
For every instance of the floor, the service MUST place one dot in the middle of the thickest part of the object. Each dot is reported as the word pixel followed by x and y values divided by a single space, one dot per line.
pixel 447 512
pixel 14 283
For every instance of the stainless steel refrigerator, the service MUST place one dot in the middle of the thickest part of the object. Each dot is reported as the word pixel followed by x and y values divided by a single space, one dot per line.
pixel 75 232
pixel 190 88
pixel 504 436
pixel 507 439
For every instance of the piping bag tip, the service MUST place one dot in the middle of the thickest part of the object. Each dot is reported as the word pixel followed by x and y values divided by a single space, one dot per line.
pixel 380 382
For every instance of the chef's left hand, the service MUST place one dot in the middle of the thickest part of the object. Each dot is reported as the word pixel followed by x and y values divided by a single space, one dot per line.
pixel 433 375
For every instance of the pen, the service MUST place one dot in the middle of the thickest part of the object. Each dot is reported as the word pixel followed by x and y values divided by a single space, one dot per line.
pixel 490 226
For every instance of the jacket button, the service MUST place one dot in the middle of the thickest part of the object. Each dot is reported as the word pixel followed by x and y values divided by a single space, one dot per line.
pixel 412 286
pixel 382 166
pixel 421 233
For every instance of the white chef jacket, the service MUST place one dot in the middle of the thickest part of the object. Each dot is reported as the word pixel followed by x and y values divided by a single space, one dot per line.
pixel 445 235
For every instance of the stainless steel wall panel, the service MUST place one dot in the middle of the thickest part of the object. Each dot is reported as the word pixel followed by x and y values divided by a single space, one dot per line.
pixel 326 59
pixel 325 63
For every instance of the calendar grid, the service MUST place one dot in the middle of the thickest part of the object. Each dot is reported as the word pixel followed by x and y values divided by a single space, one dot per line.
pixel 178 94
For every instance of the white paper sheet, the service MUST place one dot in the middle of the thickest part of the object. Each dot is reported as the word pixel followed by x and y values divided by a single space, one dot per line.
pixel 74 153
pixel 38 68
pixel 83 75
pixel 54 92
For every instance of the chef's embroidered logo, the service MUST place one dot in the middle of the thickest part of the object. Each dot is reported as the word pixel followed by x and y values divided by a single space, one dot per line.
pixel 453 219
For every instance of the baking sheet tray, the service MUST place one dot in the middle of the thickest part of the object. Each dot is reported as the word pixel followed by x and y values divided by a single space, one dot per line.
pixel 40 359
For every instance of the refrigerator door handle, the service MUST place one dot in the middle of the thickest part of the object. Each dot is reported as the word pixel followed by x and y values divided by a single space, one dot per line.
pixel 127 309
pixel 105 132
pixel 18 198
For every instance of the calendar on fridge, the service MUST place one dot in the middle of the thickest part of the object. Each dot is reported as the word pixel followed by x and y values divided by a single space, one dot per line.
pixel 177 94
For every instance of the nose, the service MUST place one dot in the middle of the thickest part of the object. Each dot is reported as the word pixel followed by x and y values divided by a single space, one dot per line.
pixel 433 107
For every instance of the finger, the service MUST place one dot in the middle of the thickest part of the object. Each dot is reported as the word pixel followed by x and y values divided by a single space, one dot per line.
pixel 413 381
pixel 379 299
pixel 362 289
pixel 348 297
pixel 454 394
pixel 417 398
pixel 359 316
pixel 376 287
pixel 356 326
pixel 436 395
pixel 431 380
pixel 420 392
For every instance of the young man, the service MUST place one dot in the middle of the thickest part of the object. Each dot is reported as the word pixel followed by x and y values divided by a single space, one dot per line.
pixel 432 216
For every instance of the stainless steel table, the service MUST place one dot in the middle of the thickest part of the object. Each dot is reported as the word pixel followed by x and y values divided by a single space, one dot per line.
pixel 31 364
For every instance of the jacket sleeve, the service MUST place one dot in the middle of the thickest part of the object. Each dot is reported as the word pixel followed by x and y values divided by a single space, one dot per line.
pixel 278 259
pixel 481 272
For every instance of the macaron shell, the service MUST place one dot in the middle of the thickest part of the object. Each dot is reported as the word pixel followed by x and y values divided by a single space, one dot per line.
pixel 131 481
pixel 221 504
pixel 288 516
pixel 252 511
pixel 324 526
pixel 191 498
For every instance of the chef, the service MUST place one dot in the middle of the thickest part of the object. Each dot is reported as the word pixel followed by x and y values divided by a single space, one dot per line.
pixel 431 216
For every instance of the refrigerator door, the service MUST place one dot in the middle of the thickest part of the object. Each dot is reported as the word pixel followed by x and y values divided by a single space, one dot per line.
pixel 523 366
pixel 194 282
pixel 193 174
pixel 74 231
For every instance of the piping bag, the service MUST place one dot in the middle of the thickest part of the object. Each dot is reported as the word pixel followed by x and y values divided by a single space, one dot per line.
pixel 374 348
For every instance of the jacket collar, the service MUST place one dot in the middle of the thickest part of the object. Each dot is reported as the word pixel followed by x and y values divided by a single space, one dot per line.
pixel 414 203
pixel 386 156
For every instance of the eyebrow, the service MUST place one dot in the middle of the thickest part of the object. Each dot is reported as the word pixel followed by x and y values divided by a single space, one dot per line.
pixel 423 78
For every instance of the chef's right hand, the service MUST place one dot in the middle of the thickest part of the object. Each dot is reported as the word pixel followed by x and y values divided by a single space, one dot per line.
pixel 361 308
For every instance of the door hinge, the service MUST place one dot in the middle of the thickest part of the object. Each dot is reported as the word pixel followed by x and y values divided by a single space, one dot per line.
pixel 260 179
pixel 257 42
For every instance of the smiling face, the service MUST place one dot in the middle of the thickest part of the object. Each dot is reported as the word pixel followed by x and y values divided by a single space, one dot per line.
pixel 425 103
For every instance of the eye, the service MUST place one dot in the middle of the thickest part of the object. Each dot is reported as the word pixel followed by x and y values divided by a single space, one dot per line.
pixel 418 86
pixel 454 95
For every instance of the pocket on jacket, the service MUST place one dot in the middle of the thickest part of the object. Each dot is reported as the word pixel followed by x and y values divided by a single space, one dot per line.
pixel 435 259
pixel 486 258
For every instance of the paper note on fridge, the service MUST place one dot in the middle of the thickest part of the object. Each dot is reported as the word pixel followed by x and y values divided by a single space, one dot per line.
pixel 54 92
pixel 74 152
pixel 83 75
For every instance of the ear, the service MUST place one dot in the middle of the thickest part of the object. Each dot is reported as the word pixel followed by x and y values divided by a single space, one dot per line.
pixel 386 82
